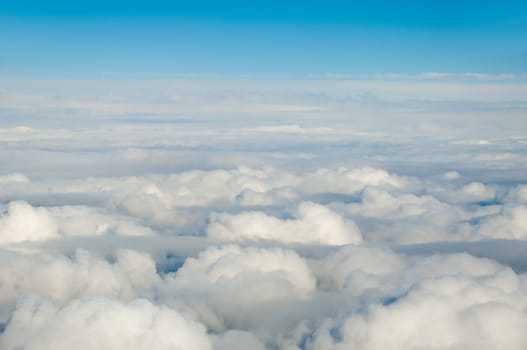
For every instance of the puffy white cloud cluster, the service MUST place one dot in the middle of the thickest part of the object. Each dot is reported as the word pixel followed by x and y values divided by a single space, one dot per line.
pixel 84 221
pixel 23 222
pixel 173 201
pixel 87 324
pixel 313 224
pixel 351 181
pixel 228 286
pixel 517 194
pixel 405 217
pixel 357 296
pixel 257 270
pixel 509 223
pixel 64 278
pixel 195 188
pixel 449 313
pixel 437 302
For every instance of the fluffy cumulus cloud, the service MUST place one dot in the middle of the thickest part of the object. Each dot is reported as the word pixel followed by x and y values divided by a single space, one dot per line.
pixel 230 285
pixel 435 302
pixel 351 181
pixel 510 223
pixel 267 273
pixel 198 188
pixel 21 222
pixel 64 278
pixel 36 323
pixel 339 215
pixel 449 312
pixel 312 224
pixel 518 194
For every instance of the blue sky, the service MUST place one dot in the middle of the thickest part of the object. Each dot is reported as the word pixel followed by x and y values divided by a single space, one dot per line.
pixel 56 38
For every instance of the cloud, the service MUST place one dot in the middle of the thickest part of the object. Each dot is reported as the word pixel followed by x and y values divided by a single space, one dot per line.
pixel 440 301
pixel 23 222
pixel 64 278
pixel 278 213
pixel 376 202
pixel 450 76
pixel 517 194
pixel 16 177
pixel 510 222
pixel 292 129
pixel 381 272
pixel 398 216
pixel 451 175
pixel 233 287
pixel 478 191
pixel 312 224
pixel 238 340
pixel 84 324
pixel 352 181
pixel 444 313
pixel 265 274
pixel 468 76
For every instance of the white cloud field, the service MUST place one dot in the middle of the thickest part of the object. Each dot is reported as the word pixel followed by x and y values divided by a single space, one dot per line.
pixel 282 212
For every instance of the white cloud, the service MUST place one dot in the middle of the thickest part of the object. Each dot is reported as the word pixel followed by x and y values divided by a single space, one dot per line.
pixel 517 194
pixel 510 223
pixel 86 324
pixel 477 190
pixel 16 177
pixel 292 129
pixel 251 274
pixel 451 175
pixel 236 287
pixel 468 76
pixel 351 181
pixel 443 302
pixel 312 224
pixel 83 274
pixel 23 222
pixel 440 313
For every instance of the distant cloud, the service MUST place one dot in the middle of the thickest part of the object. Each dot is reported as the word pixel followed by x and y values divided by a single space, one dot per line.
pixel 16 177
pixel 451 76
pixel 292 129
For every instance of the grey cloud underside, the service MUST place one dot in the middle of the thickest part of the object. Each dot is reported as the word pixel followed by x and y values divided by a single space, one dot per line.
pixel 342 215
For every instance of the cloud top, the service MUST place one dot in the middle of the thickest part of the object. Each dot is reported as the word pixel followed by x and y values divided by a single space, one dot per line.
pixel 312 224
pixel 39 324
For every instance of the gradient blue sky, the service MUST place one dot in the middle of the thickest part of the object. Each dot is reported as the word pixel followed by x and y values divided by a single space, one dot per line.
pixel 57 38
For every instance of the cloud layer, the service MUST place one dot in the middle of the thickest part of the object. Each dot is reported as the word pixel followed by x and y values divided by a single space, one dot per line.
pixel 319 213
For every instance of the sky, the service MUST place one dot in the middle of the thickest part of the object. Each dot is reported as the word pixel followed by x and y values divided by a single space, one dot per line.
pixel 236 175
pixel 63 38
